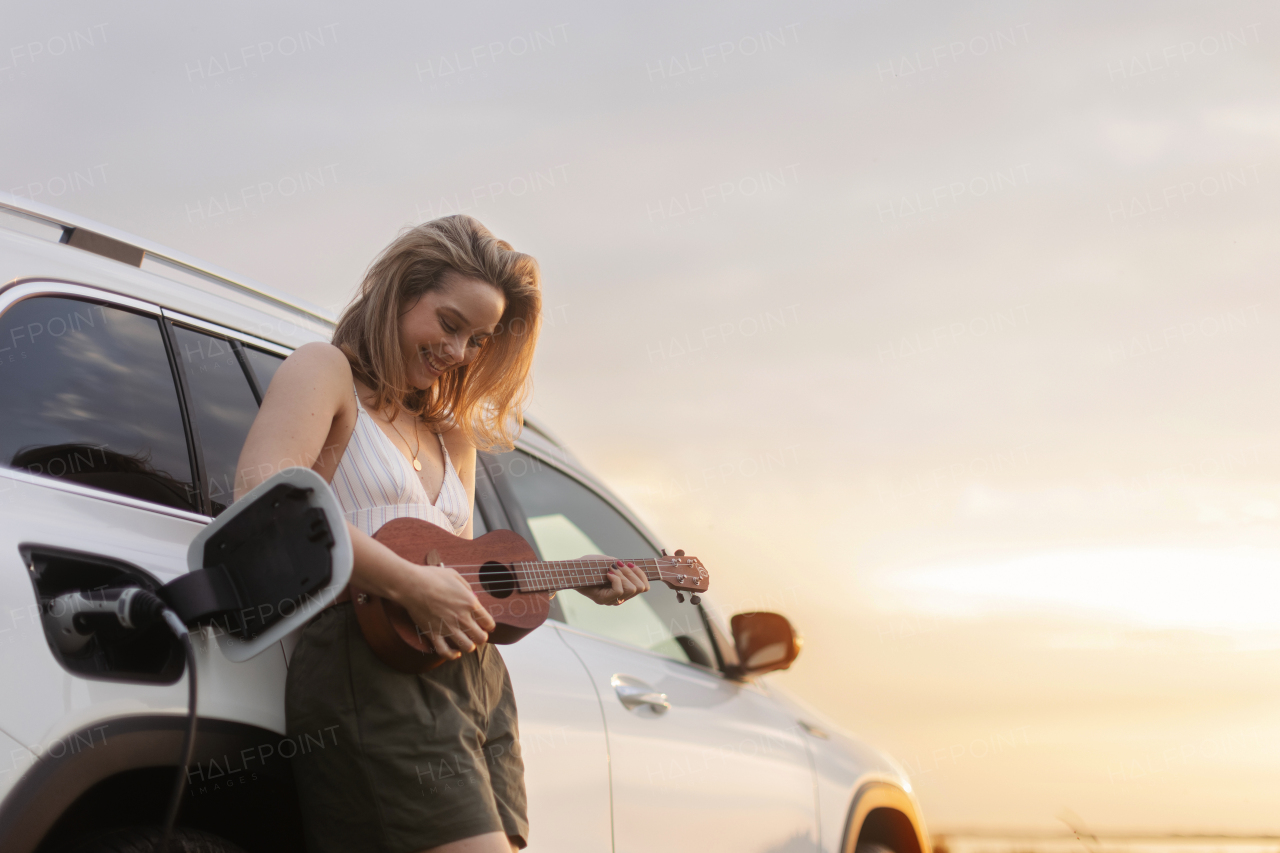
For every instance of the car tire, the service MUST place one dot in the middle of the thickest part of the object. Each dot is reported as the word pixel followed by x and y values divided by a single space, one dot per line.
pixel 147 840
pixel 872 847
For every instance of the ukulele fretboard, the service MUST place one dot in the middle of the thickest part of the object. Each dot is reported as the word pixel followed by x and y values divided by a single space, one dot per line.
pixel 551 575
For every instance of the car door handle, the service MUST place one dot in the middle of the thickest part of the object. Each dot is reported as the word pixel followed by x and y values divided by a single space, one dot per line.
pixel 632 693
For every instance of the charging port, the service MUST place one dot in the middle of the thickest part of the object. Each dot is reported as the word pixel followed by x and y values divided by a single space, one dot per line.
pixel 150 655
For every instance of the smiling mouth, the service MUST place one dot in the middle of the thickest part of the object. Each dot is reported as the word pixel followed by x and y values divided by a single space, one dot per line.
pixel 431 361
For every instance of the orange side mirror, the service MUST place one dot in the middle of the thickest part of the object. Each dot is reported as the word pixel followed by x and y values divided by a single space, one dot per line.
pixel 764 642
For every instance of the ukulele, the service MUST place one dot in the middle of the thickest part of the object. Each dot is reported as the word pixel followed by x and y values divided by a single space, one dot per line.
pixel 506 575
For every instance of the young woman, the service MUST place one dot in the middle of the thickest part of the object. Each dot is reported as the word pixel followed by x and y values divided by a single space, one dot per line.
pixel 429 362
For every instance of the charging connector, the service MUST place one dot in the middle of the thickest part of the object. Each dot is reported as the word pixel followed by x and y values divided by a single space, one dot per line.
pixel 78 616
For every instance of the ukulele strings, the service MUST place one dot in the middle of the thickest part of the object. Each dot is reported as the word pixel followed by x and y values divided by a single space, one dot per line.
pixel 546 568
pixel 475 578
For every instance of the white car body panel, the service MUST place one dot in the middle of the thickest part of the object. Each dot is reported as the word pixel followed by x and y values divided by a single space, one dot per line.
pixel 563 744
pixel 842 765
pixel 14 761
pixel 722 770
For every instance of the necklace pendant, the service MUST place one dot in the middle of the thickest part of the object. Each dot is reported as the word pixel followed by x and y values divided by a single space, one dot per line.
pixel 417 466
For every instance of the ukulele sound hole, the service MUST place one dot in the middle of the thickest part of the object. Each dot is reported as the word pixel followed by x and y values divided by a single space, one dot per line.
pixel 498 580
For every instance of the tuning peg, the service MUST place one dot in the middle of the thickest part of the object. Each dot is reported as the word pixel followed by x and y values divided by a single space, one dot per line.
pixel 664 552
pixel 679 552
pixel 695 599
pixel 680 597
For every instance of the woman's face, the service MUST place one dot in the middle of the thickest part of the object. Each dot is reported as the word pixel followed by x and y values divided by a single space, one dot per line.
pixel 447 327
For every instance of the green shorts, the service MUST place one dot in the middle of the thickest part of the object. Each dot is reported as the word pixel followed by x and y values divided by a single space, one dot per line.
pixel 407 762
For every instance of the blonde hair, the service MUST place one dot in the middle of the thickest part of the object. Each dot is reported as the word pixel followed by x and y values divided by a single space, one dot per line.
pixel 485 398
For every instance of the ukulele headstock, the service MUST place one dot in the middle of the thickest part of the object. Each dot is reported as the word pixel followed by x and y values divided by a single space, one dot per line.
pixel 682 573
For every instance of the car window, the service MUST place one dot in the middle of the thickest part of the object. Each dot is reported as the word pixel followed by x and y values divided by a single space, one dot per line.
pixel 264 365
pixel 89 397
pixel 568 520
pixel 221 404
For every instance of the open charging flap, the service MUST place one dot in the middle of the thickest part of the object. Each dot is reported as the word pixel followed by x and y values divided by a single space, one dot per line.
pixel 266 565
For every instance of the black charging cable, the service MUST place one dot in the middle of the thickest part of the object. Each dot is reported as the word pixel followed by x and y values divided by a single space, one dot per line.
pixel 78 616
pixel 189 738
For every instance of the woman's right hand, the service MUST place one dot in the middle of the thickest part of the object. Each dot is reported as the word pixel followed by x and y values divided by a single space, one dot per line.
pixel 445 609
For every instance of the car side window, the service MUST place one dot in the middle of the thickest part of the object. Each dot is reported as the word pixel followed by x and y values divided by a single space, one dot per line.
pixel 89 397
pixel 222 405
pixel 568 520
pixel 264 366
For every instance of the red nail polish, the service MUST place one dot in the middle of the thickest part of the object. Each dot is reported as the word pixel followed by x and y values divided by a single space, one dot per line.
pixel 631 565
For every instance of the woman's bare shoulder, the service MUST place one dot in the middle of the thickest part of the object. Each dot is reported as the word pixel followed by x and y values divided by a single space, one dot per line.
pixel 319 352
pixel 318 358
pixel 315 367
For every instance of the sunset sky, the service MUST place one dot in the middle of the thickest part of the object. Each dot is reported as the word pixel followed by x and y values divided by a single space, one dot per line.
pixel 948 332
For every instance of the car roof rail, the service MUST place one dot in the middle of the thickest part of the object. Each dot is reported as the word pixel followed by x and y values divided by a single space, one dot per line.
pixel 82 233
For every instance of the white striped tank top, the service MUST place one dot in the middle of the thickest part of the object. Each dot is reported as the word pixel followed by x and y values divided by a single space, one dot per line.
pixel 375 483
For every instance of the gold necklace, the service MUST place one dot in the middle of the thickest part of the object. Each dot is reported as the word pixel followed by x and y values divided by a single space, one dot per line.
pixel 417 466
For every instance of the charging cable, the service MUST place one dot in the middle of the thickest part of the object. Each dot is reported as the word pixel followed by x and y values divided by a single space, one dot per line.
pixel 78 616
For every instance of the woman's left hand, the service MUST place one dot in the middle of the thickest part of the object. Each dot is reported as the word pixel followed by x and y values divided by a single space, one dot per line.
pixel 625 582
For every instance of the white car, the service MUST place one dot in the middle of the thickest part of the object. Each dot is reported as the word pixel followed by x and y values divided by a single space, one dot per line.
pixel 129 376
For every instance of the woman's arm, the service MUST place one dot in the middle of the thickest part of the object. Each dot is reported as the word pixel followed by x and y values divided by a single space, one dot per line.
pixel 305 420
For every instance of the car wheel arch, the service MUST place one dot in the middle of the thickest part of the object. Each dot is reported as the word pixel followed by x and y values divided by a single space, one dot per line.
pixel 885 815
pixel 37 810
